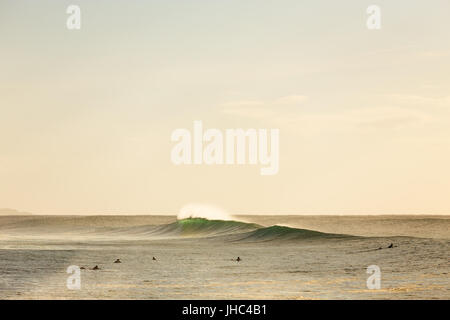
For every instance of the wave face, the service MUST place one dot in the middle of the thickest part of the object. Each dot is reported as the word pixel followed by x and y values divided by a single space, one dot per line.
pixel 287 233
pixel 193 226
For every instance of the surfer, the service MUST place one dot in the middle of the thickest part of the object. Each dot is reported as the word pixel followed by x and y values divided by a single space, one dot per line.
pixel 96 268
pixel 82 268
pixel 391 246
pixel 238 259
pixel 117 261
pixel 154 259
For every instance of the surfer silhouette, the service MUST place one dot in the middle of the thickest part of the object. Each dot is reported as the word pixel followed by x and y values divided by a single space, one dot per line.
pixel 96 268
pixel 238 259
pixel 154 259
pixel 117 261
pixel 391 245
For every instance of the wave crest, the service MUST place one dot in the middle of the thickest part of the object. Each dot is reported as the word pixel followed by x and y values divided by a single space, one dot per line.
pixel 206 211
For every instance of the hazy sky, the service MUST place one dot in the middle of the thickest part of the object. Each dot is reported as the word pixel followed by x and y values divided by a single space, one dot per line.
pixel 86 116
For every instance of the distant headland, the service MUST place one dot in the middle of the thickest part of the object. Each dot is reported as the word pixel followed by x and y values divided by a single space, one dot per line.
pixel 12 212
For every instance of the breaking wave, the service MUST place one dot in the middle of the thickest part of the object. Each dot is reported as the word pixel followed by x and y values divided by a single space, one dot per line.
pixel 196 228
pixel 241 231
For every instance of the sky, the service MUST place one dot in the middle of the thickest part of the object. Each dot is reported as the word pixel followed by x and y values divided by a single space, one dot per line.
pixel 86 115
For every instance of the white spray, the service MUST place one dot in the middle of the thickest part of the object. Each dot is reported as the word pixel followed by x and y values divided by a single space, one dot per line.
pixel 206 211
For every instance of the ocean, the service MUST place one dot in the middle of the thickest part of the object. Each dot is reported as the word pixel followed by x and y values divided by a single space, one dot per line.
pixel 281 257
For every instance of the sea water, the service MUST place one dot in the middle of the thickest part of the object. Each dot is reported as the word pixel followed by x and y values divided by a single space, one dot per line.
pixel 282 257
